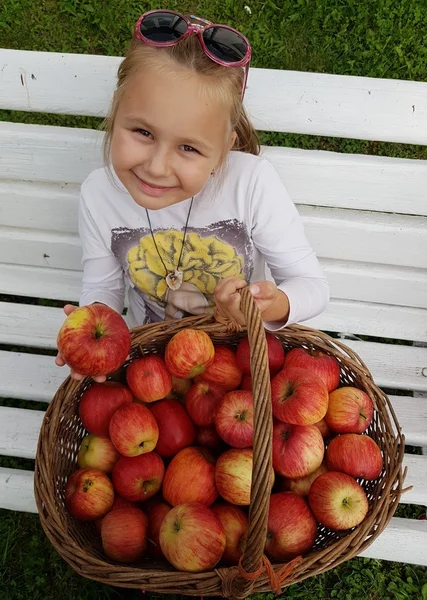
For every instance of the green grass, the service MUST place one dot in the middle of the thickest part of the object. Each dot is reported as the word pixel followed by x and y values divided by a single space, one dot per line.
pixel 376 38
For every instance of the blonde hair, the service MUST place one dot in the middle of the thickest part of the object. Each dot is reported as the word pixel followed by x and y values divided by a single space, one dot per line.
pixel 225 83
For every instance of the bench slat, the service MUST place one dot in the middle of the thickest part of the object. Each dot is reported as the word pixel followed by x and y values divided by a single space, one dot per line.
pixel 278 100
pixel 403 540
pixel 19 431
pixel 38 326
pixel 59 154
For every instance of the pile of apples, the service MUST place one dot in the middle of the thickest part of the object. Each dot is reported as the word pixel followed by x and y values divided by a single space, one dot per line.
pixel 165 470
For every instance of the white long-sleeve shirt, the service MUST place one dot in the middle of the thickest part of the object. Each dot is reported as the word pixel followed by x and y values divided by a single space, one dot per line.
pixel 241 220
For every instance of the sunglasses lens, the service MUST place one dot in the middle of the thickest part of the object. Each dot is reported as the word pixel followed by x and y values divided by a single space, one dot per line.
pixel 163 27
pixel 225 44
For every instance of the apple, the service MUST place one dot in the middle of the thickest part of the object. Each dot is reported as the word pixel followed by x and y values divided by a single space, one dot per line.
pixel 291 529
pixel 302 485
pixel 208 437
pixel 190 477
pixel 124 534
pixel 298 396
pixel 148 378
pixel 223 370
pixel 179 388
pixel 324 429
pixel 94 340
pixel 298 450
pixel 246 383
pixel 188 353
pixel 276 355
pixel 355 454
pixel 98 404
pixel 138 478
pixel 133 430
pixel 202 400
pixel 176 431
pixel 324 365
pixel 234 420
pixel 156 513
pixel 118 502
pixel 97 453
pixel 192 537
pixel 338 501
pixel 233 475
pixel 350 410
pixel 235 524
pixel 89 494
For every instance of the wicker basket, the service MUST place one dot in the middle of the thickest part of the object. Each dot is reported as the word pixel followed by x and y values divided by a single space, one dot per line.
pixel 79 544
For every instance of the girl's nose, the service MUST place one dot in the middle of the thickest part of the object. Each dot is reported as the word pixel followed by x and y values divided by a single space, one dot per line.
pixel 158 163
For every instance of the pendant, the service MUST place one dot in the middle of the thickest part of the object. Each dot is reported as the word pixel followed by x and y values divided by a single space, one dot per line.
pixel 174 279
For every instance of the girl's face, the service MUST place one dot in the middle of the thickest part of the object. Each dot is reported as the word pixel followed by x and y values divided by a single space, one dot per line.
pixel 167 137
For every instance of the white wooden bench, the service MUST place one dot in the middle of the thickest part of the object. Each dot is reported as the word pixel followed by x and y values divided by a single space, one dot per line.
pixel 365 215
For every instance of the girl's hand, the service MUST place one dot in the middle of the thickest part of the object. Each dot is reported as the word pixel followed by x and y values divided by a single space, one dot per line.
pixel 272 302
pixel 68 309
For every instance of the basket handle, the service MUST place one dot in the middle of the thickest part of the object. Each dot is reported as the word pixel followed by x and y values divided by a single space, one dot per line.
pixel 252 559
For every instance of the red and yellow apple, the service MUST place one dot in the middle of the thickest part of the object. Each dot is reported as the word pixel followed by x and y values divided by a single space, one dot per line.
pixel 188 353
pixel 89 494
pixel 276 355
pixel 118 502
pixel 192 537
pixel 235 524
pixel 148 378
pixel 324 365
pixel 355 454
pixel 302 485
pixel 138 478
pixel 94 340
pixel 208 437
pixel 298 450
pixel 338 501
pixel 223 370
pixel 156 514
pixel 234 419
pixel 202 400
pixel 350 410
pixel 97 453
pixel 176 431
pixel 124 534
pixel 324 429
pixel 298 396
pixel 291 528
pixel 179 388
pixel 98 404
pixel 133 430
pixel 190 477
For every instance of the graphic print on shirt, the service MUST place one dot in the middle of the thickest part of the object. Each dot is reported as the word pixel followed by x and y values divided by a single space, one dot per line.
pixel 209 255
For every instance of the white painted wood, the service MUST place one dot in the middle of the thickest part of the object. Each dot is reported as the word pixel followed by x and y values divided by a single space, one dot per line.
pixel 411 415
pixel 40 282
pixel 416 477
pixel 277 100
pixel 17 490
pixel 403 540
pixel 19 431
pixel 312 177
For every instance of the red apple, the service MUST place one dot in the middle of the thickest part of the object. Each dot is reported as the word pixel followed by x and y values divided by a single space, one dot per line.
pixel 246 383
pixel 234 419
pixel 98 404
pixel 176 431
pixel 355 454
pixel 350 410
pixel 322 426
pixel 188 353
pixel 276 355
pixel 292 528
pixel 124 534
pixel 208 437
pixel 223 370
pixel 190 477
pixel 133 430
pixel 302 485
pixel 338 501
pixel 94 340
pixel 148 378
pixel 235 524
pixel 97 453
pixel 298 397
pixel 324 365
pixel 192 537
pixel 138 478
pixel 202 401
pixel 298 450
pixel 118 502
pixel 156 515
pixel 179 388
pixel 89 494
pixel 233 475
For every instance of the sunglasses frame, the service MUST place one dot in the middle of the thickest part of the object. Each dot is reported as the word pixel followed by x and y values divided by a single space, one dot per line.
pixel 199 30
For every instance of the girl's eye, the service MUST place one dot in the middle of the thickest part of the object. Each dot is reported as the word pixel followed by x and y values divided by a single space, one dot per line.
pixel 143 132
pixel 188 148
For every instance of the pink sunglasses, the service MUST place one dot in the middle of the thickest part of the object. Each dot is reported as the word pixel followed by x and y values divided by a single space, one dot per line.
pixel 222 44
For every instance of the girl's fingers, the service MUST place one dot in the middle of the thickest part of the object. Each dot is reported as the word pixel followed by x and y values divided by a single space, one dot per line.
pixel 69 308
pixel 59 361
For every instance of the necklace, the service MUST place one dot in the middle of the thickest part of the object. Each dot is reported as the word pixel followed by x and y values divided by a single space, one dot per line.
pixel 173 278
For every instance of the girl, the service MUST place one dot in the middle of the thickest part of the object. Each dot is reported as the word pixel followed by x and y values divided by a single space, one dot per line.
pixel 185 212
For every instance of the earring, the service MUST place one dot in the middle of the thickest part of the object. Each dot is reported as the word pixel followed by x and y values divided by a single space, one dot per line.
pixel 213 172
